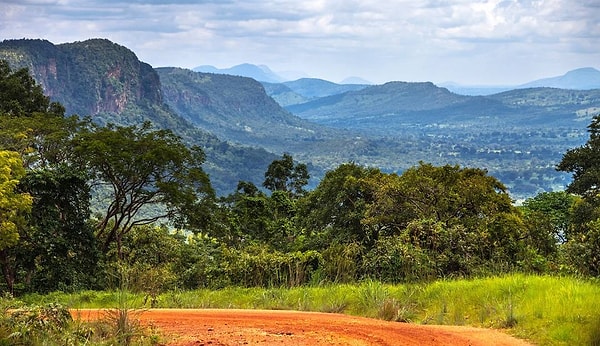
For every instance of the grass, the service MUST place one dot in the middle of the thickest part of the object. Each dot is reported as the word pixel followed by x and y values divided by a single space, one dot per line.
pixel 546 310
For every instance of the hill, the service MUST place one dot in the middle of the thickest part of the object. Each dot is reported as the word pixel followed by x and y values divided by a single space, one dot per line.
pixel 104 80
pixel 306 89
pixel 235 108
pixel 580 79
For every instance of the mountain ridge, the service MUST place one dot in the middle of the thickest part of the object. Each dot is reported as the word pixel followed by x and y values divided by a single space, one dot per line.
pixel 106 81
pixel 585 78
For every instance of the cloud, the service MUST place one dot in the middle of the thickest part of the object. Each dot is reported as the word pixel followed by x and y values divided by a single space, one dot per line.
pixel 428 39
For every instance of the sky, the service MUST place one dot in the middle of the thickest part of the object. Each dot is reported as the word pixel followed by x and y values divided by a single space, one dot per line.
pixel 492 42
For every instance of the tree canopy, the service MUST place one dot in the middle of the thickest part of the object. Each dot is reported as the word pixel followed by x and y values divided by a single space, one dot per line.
pixel 13 203
pixel 142 168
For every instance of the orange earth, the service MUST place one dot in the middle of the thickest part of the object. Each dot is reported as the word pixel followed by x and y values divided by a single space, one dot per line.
pixel 187 327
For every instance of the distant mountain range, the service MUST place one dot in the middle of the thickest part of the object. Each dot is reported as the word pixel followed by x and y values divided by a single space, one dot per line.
pixel 586 78
pixel 517 135
pixel 579 79
pixel 261 73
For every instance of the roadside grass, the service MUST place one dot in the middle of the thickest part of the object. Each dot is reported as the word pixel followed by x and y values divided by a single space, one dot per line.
pixel 546 310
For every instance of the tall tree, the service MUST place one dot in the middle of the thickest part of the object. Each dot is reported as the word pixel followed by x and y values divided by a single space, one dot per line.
pixel 583 240
pixel 150 175
pixel 584 163
pixel 58 249
pixel 14 206
pixel 334 210
pixel 284 175
pixel 13 203
pixel 54 239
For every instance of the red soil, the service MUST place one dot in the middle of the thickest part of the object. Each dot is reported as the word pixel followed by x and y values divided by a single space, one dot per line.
pixel 186 327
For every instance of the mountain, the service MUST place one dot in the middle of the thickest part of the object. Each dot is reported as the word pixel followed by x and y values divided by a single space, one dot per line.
pixel 306 89
pixel 107 81
pixel 235 108
pixel 580 79
pixel 355 80
pixel 586 78
pixel 388 98
pixel 283 94
pixel 95 76
pixel 239 110
pixel 260 73
pixel 475 90
pixel 314 88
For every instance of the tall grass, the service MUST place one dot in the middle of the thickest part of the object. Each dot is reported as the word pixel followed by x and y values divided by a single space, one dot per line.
pixel 546 310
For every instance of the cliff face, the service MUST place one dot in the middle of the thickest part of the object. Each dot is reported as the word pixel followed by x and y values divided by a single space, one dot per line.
pixel 89 77
pixel 104 80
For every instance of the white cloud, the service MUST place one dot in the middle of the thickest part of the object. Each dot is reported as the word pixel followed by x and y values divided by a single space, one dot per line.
pixel 495 41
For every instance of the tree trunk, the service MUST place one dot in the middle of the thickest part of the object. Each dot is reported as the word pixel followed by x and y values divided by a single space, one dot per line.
pixel 7 271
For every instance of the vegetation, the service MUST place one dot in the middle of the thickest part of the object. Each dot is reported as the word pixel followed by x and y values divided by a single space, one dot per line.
pixel 546 310
pixel 159 227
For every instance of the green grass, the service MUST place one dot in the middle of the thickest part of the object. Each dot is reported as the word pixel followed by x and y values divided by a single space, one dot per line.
pixel 546 310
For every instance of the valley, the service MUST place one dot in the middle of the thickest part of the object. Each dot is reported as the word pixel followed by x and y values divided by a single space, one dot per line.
pixel 518 135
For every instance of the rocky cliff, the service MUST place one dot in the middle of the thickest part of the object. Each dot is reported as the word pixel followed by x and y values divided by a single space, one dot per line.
pixel 88 77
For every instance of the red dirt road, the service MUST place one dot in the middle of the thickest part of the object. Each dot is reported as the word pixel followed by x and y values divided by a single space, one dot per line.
pixel 186 327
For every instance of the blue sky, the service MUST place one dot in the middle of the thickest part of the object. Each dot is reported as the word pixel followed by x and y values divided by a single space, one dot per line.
pixel 469 42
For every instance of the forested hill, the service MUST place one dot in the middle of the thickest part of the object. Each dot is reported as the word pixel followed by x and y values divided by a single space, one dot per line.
pixel 104 80
pixel 236 108
pixel 90 77
pixel 389 98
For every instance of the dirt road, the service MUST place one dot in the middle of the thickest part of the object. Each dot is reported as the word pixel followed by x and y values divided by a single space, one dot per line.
pixel 186 327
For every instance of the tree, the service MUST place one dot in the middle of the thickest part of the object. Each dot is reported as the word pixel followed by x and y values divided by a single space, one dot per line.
pixel 21 96
pixel 333 212
pixel 283 175
pixel 584 163
pixel 583 240
pixel 32 125
pixel 54 240
pixel 58 249
pixel 459 218
pixel 554 209
pixel 150 175
pixel 447 194
pixel 13 207
pixel 13 203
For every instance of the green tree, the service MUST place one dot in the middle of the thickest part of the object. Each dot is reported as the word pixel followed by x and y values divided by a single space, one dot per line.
pixel 150 175
pixel 13 207
pixel 21 96
pixel 553 208
pixel 583 240
pixel 284 175
pixel 461 219
pixel 584 163
pixel 30 123
pixel 58 249
pixel 334 210
pixel 447 194
pixel 56 246
pixel 13 203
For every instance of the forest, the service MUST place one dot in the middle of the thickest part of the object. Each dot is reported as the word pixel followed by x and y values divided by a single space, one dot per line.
pixel 84 205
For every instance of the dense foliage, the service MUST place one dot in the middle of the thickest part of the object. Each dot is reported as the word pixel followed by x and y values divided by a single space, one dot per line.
pixel 158 225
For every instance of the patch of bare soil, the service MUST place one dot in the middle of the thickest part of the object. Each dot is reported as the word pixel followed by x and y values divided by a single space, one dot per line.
pixel 187 327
